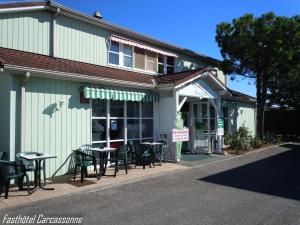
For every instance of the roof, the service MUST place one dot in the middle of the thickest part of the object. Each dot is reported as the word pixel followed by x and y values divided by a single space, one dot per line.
pixel 49 63
pixel 27 60
pixel 181 77
pixel 241 96
pixel 112 27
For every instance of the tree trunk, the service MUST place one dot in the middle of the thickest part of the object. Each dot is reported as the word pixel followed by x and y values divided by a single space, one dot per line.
pixel 261 93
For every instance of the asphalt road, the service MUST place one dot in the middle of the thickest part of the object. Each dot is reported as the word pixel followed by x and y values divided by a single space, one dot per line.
pixel 260 188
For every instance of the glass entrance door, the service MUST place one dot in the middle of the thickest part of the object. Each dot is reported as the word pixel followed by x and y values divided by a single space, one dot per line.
pixel 203 123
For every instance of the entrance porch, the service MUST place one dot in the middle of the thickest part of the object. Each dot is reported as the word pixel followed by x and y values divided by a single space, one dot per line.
pixel 199 101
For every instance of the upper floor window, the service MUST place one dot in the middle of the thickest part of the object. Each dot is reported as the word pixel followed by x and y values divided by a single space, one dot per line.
pixel 161 67
pixel 170 65
pixel 127 51
pixel 134 57
pixel 114 53
pixel 120 54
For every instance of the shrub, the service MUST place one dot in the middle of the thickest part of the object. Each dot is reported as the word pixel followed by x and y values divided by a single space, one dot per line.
pixel 240 140
pixel 227 139
pixel 256 142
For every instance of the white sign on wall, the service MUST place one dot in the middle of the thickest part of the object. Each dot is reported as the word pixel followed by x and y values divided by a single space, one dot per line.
pixel 180 135
pixel 220 131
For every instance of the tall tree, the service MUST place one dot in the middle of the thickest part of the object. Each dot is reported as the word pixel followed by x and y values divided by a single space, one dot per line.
pixel 260 48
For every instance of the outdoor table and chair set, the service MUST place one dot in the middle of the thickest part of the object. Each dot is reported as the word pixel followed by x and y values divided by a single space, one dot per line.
pixel 145 153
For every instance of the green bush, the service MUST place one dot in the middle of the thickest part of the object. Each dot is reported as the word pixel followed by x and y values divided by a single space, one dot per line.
pixel 240 140
pixel 256 142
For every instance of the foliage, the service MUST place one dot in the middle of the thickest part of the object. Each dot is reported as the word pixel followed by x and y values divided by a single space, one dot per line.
pixel 266 48
pixel 271 138
pixel 284 91
pixel 240 140
pixel 243 140
pixel 256 142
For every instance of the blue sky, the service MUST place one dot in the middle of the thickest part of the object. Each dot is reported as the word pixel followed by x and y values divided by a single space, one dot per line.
pixel 189 23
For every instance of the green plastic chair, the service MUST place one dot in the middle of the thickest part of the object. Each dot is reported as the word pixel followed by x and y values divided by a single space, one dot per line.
pixel 121 154
pixel 2 155
pixel 90 156
pixel 29 165
pixel 157 153
pixel 82 160
pixel 142 155
pixel 9 171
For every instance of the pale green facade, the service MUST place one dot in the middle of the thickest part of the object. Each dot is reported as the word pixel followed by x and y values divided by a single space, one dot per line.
pixel 27 31
pixel 80 41
pixel 56 132
pixel 46 129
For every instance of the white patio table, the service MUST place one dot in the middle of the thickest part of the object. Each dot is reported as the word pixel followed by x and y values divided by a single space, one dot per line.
pixel 38 158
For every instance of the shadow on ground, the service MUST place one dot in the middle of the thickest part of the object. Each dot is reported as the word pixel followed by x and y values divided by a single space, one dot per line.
pixel 277 175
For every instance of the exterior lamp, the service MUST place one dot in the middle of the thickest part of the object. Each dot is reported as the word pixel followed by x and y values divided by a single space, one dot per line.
pixel 60 104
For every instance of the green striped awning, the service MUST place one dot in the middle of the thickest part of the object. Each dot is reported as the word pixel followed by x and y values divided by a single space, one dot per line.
pixel 102 93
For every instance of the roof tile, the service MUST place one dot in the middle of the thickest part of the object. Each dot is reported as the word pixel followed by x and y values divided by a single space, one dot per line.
pixel 37 61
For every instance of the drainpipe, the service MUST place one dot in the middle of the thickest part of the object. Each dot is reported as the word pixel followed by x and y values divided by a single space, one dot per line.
pixel 54 33
pixel 219 137
pixel 23 109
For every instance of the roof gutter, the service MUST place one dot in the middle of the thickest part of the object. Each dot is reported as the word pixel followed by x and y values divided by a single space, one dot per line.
pixel 77 77
pixel 23 9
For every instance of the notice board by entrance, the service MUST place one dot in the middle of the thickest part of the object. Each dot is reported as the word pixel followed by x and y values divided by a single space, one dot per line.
pixel 180 135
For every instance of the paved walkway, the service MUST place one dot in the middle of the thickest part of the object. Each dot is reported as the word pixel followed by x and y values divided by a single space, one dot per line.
pixel 65 185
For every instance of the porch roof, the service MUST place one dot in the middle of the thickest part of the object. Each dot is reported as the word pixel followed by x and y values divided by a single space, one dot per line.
pixel 181 77
pixel 238 96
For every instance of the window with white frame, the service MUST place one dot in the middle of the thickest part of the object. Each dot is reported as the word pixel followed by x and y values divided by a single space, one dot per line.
pixel 120 54
pixel 170 65
pixel 114 53
pixel 120 121
pixel 161 64
pixel 127 56
pixel 99 123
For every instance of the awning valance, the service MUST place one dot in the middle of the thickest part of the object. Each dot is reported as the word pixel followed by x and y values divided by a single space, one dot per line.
pixel 102 93
pixel 140 45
